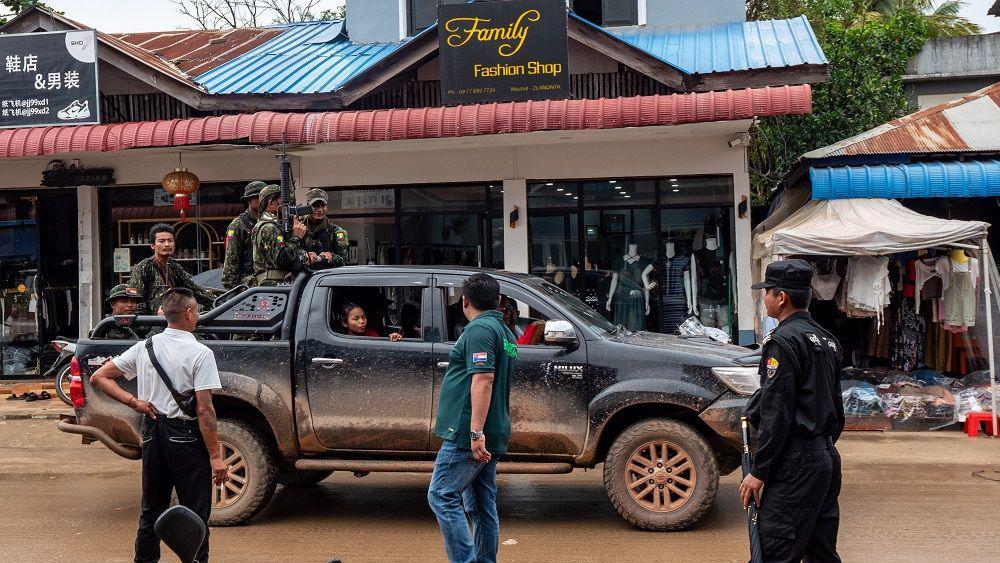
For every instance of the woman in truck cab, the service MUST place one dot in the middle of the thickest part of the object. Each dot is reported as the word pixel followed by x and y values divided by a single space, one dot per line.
pixel 353 317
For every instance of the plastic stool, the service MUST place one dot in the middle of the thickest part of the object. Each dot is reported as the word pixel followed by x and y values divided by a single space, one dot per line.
pixel 973 419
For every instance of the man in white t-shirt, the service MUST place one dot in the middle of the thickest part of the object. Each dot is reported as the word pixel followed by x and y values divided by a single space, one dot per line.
pixel 178 451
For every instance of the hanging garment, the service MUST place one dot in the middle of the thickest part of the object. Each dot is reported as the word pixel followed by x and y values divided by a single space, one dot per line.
pixel 910 342
pixel 711 275
pixel 924 271
pixel 630 297
pixel 959 291
pixel 825 286
pixel 672 296
pixel 868 287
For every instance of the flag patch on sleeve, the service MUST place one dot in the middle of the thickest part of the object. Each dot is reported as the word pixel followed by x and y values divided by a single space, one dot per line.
pixel 480 358
pixel 772 367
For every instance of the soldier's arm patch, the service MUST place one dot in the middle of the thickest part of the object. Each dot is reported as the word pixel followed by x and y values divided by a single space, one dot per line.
pixel 772 367
pixel 281 240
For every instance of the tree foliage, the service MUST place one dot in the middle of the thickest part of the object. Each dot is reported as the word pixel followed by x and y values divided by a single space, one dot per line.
pixel 14 8
pixel 221 14
pixel 867 43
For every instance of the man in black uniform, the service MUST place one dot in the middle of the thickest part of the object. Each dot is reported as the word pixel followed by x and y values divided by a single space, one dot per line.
pixel 799 414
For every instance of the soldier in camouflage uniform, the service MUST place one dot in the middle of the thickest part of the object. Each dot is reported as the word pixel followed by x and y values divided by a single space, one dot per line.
pixel 325 244
pixel 158 273
pixel 122 301
pixel 275 254
pixel 237 268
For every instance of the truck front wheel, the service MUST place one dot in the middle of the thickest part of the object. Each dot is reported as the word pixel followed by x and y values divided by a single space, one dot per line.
pixel 253 474
pixel 661 475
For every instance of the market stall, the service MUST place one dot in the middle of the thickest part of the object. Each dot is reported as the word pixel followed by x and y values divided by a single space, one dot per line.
pixel 910 298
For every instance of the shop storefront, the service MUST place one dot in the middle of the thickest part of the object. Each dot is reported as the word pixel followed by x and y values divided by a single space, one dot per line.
pixel 38 297
pixel 904 293
pixel 129 212
pixel 646 253
pixel 458 224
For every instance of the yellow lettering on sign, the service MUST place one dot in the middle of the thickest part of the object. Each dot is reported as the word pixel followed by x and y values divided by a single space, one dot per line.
pixel 511 37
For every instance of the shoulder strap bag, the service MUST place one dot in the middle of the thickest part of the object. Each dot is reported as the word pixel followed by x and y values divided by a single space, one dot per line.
pixel 186 401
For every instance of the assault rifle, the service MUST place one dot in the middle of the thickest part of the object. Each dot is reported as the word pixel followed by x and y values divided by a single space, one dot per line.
pixel 289 210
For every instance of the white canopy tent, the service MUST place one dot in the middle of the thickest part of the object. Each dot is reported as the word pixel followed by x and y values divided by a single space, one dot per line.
pixel 873 227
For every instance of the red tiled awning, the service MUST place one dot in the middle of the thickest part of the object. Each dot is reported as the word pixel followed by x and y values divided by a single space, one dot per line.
pixel 266 127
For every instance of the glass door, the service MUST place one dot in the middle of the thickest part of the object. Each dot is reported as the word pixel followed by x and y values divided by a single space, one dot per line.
pixel 19 303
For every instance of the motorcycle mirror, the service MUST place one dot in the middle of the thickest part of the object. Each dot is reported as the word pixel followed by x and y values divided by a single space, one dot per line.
pixel 183 532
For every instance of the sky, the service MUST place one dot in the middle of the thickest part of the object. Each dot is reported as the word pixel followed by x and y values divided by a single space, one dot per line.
pixel 119 16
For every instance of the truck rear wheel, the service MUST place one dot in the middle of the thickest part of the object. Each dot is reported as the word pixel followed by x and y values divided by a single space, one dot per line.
pixel 661 475
pixel 302 477
pixel 253 474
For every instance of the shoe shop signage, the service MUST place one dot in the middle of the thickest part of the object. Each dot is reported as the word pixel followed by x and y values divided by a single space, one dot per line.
pixel 503 51
pixel 49 79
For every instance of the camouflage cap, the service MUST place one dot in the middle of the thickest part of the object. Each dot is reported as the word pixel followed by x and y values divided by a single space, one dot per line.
pixel 122 290
pixel 316 194
pixel 253 189
pixel 269 191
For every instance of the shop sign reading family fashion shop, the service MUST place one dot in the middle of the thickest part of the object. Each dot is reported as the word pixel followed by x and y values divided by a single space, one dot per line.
pixel 503 51
pixel 49 78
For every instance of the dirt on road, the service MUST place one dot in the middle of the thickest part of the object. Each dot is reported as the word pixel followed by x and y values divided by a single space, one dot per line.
pixel 906 497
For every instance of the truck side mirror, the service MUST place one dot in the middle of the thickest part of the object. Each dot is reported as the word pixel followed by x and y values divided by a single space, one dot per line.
pixel 560 333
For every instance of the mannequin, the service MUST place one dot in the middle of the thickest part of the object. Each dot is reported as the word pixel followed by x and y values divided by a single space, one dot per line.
pixel 676 296
pixel 691 286
pixel 712 287
pixel 552 273
pixel 628 285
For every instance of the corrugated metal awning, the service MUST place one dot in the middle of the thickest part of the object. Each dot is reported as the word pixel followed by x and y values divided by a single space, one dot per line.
pixel 267 127
pixel 904 181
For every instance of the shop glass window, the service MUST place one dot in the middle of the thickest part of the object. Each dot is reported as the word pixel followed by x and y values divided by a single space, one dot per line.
pixel 698 190
pixel 426 225
pixel 372 239
pixel 199 240
pixel 609 250
pixel 618 192
pixel 361 201
pixel 552 195
pixel 376 311
pixel 447 198
pixel 696 269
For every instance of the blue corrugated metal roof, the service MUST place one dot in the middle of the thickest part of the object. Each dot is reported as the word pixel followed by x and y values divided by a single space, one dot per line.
pixel 900 181
pixel 311 57
pixel 315 57
pixel 725 47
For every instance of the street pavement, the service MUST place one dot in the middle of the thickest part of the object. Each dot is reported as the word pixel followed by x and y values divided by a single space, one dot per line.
pixel 907 497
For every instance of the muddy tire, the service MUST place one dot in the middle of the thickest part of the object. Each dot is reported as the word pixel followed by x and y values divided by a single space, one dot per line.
pixel 661 475
pixel 253 474
pixel 302 477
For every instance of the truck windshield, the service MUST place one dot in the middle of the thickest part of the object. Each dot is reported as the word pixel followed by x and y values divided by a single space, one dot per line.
pixel 580 311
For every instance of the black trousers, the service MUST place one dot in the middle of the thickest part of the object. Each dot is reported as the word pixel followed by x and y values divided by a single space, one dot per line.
pixel 799 512
pixel 173 457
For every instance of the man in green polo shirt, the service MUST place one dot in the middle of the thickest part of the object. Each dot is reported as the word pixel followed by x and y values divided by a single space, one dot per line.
pixel 474 422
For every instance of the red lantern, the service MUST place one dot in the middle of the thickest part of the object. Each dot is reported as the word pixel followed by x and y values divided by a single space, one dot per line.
pixel 181 184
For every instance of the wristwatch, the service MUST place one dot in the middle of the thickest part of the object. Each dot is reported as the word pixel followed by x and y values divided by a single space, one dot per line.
pixel 475 435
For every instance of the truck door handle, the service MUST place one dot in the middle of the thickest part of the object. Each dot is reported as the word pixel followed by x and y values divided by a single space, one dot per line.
pixel 442 365
pixel 327 363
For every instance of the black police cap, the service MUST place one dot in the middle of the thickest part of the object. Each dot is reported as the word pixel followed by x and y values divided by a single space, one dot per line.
pixel 787 274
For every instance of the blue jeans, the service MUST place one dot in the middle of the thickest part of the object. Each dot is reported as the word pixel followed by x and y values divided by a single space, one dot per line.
pixel 459 480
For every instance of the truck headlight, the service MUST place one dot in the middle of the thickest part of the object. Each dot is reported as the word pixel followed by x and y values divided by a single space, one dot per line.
pixel 742 380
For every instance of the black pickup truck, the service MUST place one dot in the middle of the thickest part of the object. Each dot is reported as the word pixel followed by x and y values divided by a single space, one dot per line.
pixel 302 399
